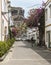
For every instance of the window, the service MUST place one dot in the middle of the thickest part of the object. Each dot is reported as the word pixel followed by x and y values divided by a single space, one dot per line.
pixel 46 36
pixel 46 15
pixel 20 12
pixel 50 10
pixel 14 12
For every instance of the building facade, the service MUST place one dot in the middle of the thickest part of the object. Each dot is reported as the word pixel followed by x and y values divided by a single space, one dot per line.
pixel 48 23
pixel 17 15
pixel 0 17
pixel 33 33
pixel 3 19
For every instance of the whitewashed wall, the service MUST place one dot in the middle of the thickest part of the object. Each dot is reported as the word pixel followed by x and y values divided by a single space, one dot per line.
pixel 48 22
pixel 0 19
pixel 4 18
pixel 48 17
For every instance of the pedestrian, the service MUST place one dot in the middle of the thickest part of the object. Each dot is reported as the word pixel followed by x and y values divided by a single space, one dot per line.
pixel 32 41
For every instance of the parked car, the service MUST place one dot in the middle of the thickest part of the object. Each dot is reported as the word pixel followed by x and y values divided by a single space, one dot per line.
pixel 18 39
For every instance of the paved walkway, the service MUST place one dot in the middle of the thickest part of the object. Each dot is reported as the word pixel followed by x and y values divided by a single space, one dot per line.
pixel 23 54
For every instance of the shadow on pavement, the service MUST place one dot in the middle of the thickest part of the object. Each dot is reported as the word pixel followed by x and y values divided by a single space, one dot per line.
pixel 42 51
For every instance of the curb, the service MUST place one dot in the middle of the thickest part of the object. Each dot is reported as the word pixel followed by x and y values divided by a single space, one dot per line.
pixel 3 57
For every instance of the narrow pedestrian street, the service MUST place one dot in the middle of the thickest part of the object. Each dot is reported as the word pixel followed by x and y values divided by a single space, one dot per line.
pixel 23 54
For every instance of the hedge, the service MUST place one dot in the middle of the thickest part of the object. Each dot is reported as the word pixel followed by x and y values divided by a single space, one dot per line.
pixel 5 46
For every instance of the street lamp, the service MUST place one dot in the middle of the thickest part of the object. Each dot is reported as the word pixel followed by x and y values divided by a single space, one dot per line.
pixel 9 10
pixel 38 24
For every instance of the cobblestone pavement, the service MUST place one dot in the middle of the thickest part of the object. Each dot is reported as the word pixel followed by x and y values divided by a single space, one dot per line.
pixel 23 54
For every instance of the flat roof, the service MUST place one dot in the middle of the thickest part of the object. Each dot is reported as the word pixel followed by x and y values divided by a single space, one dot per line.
pixel 17 8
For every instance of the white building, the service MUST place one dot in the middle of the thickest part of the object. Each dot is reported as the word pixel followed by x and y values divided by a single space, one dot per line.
pixel 33 32
pixel 0 18
pixel 48 24
pixel 3 19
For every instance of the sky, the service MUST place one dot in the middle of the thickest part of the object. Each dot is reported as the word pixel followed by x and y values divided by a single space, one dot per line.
pixel 27 4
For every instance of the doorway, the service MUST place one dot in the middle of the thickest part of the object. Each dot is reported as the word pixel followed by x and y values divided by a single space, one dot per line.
pixel 48 39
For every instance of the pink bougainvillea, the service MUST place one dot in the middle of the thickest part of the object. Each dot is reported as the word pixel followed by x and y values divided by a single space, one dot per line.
pixel 14 31
pixel 34 16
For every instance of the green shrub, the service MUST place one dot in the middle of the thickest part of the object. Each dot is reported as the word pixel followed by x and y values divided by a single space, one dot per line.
pixel 5 46
pixel 12 40
pixel 9 43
